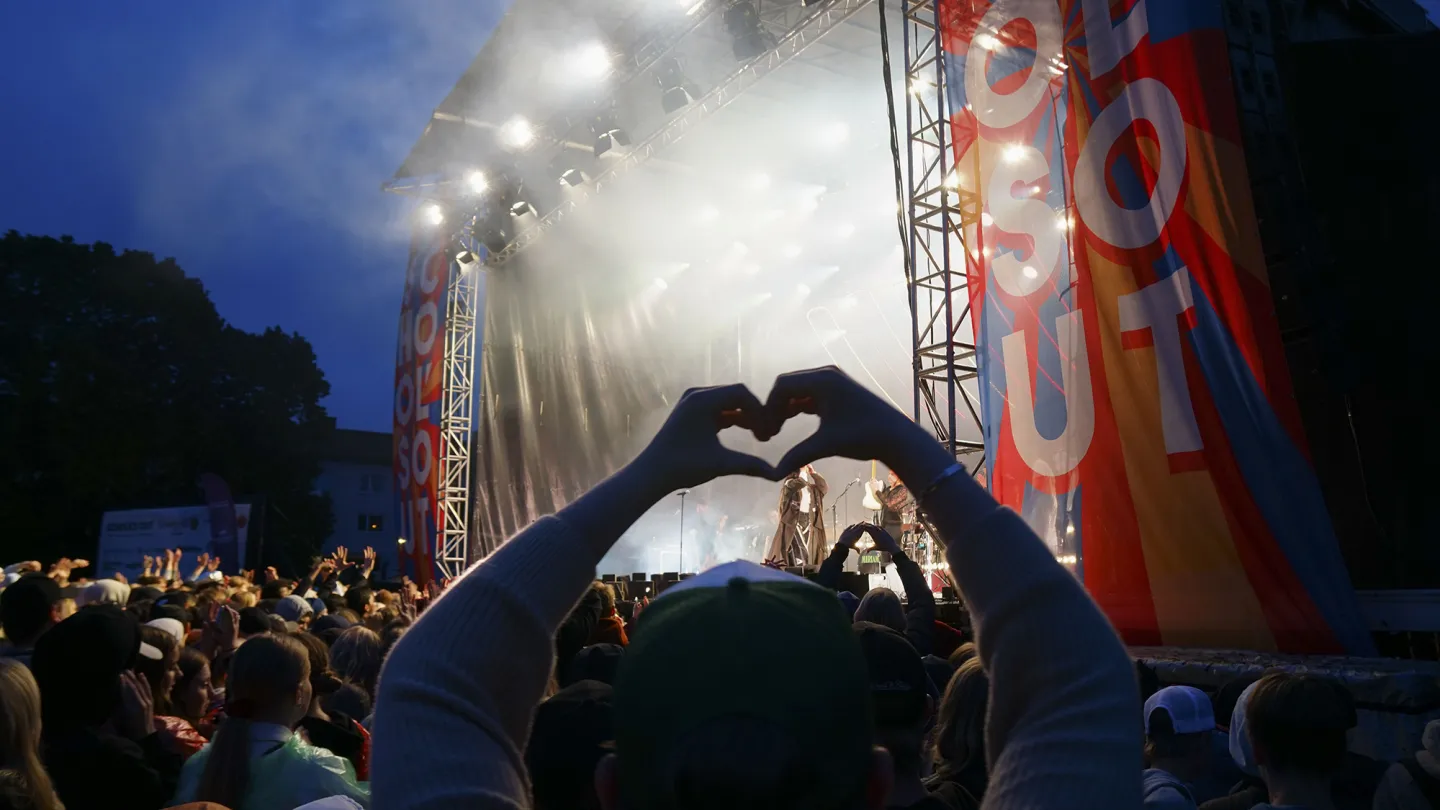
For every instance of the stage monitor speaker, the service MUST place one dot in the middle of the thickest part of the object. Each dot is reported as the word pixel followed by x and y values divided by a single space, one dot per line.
pixel 858 584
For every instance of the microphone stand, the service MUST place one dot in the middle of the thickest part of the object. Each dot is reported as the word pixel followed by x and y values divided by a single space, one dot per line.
pixel 682 493
pixel 835 504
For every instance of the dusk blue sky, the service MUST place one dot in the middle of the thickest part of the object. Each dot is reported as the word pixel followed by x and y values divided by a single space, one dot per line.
pixel 247 140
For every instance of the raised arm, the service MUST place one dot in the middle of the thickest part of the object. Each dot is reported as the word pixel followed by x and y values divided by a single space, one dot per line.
pixel 1063 726
pixel 474 665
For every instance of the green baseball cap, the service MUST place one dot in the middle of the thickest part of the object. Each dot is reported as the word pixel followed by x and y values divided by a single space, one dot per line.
pixel 743 641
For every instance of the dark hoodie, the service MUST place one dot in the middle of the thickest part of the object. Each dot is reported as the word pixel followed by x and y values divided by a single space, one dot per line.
pixel 78 664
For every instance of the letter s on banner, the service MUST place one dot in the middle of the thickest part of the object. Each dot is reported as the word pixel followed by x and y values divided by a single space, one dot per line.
pixel 1131 228
pixel 402 456
pixel 1028 216
pixel 427 321
pixel 422 457
pixel 404 399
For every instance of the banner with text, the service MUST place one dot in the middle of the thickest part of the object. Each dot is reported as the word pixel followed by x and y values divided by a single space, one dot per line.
pixel 128 535
pixel 419 383
pixel 1136 400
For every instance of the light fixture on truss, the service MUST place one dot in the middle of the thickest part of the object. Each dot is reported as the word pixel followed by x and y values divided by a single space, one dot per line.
pixel 749 38
pixel 674 87
pixel 608 133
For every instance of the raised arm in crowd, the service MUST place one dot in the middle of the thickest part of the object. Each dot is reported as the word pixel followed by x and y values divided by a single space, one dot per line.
pixel 457 695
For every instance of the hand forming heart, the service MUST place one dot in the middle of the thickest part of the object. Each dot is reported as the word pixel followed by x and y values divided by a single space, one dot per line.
pixel 854 423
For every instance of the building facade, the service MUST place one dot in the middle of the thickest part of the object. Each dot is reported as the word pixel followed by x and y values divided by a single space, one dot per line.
pixel 356 473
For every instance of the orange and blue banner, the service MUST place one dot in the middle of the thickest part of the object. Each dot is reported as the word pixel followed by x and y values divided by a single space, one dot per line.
pixel 1136 401
pixel 419 387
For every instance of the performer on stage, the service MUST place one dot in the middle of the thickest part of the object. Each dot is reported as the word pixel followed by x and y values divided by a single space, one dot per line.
pixel 897 507
pixel 800 534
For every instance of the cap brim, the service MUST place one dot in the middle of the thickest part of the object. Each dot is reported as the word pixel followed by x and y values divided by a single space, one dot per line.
pixel 721 575
pixel 150 651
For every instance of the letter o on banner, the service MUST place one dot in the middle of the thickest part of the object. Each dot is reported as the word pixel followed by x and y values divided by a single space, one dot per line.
pixel 421 458
pixel 1131 228
pixel 404 399
pixel 993 109
pixel 427 322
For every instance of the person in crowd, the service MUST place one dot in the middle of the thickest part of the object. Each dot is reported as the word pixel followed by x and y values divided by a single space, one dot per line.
pixel 597 662
pixel 104 592
pixel 28 607
pixel 902 706
pixel 1414 782
pixel 881 605
pixel 349 700
pixel 1250 790
pixel 295 610
pixel 254 621
pixel 959 754
pixel 99 717
pixel 20 739
pixel 160 673
pixel 1297 726
pixel 461 687
pixel 573 729
pixel 963 653
pixel 256 761
pixel 355 656
pixel 610 628
pixel 391 633
pixel 192 695
pixel 1178 723
pixel 360 599
pixel 334 730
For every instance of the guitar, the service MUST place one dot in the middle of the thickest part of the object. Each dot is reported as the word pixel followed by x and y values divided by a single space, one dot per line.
pixel 871 500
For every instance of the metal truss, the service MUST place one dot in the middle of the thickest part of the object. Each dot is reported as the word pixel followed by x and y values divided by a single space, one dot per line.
pixel 810 29
pixel 943 215
pixel 457 404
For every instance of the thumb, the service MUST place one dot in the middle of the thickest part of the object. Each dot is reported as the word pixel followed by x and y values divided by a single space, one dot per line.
pixel 734 462
pixel 811 449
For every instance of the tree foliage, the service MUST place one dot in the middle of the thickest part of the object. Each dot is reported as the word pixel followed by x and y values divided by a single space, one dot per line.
pixel 120 384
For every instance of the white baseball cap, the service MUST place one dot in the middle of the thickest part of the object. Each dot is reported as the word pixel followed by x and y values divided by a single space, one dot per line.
pixel 1189 709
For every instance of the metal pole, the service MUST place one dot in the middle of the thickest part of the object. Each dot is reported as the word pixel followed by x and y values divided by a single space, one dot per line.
pixel 683 493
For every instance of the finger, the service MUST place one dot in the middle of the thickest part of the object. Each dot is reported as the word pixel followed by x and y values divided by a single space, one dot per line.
pixel 734 462
pixel 732 405
pixel 800 392
pixel 813 448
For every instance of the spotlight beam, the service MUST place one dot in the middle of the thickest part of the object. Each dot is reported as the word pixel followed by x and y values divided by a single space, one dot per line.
pixel 790 46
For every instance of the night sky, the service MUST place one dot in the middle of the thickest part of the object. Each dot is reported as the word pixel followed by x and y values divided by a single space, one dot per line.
pixel 247 140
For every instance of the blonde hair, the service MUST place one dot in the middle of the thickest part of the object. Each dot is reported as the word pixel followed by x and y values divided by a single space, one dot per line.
pixel 356 657
pixel 265 673
pixel 20 733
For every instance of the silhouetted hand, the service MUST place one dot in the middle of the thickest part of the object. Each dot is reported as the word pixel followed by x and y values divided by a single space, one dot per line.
pixel 687 451
pixel 854 423
pixel 882 538
pixel 850 535
pixel 136 719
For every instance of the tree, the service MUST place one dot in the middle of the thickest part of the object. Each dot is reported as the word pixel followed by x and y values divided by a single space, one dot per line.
pixel 120 384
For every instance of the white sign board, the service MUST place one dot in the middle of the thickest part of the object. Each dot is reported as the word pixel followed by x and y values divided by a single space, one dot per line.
pixel 128 535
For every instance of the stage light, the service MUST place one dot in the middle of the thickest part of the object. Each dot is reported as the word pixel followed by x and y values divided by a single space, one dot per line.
pixel 919 86
pixel 1014 153
pixel 433 214
pixel 749 39
pixel 607 133
pixel 802 289
pixel 566 172
pixel 1064 223
pixel 1069 529
pixel 591 61
pixel 660 284
pixel 1034 190
pixel 400 541
pixel 492 228
pixel 674 94
pixel 476 182
pixel 952 180
pixel 986 219
pixel 517 133
pixel 986 42
pixel 1030 272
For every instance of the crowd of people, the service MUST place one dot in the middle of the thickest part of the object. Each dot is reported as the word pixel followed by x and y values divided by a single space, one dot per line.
pixel 526 683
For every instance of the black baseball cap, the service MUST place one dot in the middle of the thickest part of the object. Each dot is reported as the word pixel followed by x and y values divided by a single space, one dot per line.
pixel 571 732
pixel 899 684
pixel 26 604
